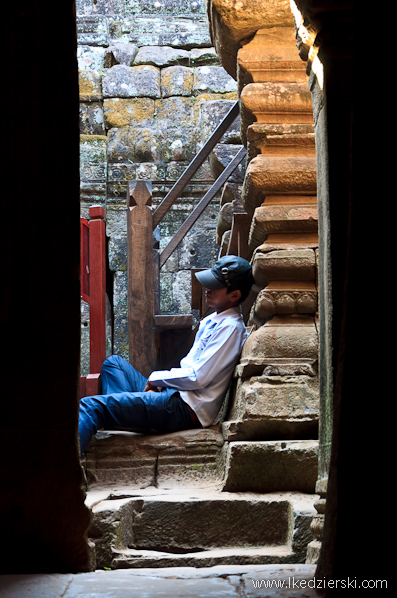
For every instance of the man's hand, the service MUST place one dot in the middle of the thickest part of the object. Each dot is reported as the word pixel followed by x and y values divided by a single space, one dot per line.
pixel 149 387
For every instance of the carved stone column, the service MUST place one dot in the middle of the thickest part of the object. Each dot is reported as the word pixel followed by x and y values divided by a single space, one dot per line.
pixel 277 386
pixel 279 193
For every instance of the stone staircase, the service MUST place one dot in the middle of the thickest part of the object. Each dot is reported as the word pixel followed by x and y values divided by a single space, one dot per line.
pixel 193 499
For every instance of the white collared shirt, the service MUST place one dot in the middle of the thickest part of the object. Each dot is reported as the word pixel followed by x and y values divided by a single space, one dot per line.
pixel 204 374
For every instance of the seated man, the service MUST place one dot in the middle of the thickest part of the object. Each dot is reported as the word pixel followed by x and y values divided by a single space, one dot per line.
pixel 186 397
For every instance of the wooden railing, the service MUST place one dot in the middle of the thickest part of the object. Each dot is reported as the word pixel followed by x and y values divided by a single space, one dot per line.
pixel 145 259
pixel 93 291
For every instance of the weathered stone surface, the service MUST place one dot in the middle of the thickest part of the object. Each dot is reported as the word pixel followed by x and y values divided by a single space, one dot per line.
pixel 176 81
pixel 117 253
pixel 149 172
pixel 221 156
pixel 161 56
pixel 91 118
pixel 243 19
pixel 231 192
pixel 90 57
pixel 118 175
pixel 85 338
pixel 290 280
pixel 132 459
pixel 289 242
pixel 206 558
pixel 224 243
pixel 285 297
pixel 93 163
pixel 271 466
pixel 120 53
pixel 184 32
pixel 276 102
pixel 273 407
pixel 286 337
pixel 110 528
pixel 211 114
pixel 135 143
pixel 286 216
pixel 150 7
pixel 193 581
pixel 225 216
pixel 213 79
pixel 116 221
pixel 166 524
pixel 176 131
pixel 173 170
pixel 90 86
pixel 92 30
pixel 284 265
pixel 270 56
pixel 161 521
pixel 280 139
pixel 202 56
pixel 276 175
pixel 174 112
pixel 128 111
pixel 120 323
pixel 231 22
pixel 126 82
pixel 199 527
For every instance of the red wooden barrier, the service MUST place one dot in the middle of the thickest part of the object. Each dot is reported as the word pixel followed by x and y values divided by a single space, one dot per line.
pixel 93 290
pixel 85 259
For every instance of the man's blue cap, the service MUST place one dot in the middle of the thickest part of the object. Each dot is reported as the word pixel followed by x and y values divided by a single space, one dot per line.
pixel 229 271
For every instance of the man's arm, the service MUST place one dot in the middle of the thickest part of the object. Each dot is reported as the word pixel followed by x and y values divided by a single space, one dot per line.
pixel 223 349
pixel 149 387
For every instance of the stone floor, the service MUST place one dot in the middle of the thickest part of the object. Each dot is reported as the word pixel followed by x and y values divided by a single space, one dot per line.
pixel 233 581
pixel 200 581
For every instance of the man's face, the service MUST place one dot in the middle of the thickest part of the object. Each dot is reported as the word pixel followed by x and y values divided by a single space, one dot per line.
pixel 220 299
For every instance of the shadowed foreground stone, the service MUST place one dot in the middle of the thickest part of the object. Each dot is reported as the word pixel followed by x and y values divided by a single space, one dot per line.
pixel 223 581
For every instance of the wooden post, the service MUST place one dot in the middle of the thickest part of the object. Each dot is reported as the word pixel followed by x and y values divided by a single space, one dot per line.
pixel 97 274
pixel 141 327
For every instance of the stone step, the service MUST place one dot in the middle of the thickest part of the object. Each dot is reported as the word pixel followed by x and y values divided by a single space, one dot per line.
pixel 268 466
pixel 198 458
pixel 117 458
pixel 155 527
pixel 132 559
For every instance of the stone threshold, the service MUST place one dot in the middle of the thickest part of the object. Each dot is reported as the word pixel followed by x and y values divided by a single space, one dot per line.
pixel 228 581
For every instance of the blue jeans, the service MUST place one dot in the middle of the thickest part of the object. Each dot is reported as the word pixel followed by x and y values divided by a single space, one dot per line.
pixel 123 405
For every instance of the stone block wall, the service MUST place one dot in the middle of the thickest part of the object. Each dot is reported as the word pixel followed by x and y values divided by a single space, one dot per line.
pixel 151 92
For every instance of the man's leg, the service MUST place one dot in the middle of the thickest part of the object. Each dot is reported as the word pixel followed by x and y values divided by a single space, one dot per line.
pixel 119 376
pixel 120 410
pixel 160 411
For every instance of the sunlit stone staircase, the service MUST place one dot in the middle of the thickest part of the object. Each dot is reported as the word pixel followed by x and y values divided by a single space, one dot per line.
pixel 163 500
